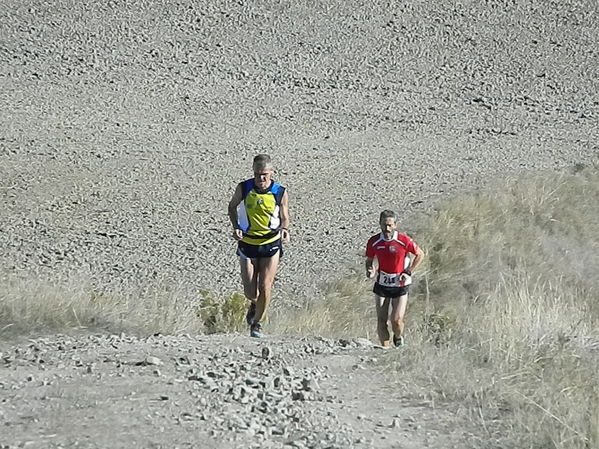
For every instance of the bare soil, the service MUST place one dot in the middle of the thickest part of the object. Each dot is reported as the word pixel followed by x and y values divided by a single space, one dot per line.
pixel 217 391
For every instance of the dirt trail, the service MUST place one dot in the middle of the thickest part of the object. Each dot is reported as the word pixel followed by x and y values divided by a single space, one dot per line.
pixel 213 391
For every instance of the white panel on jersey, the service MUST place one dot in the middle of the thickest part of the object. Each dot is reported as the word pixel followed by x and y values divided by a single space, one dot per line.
pixel 275 220
pixel 242 217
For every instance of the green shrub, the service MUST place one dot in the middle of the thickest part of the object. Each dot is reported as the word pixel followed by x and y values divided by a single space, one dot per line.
pixel 222 314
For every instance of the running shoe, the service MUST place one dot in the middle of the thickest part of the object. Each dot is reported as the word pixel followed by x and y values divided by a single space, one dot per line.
pixel 398 341
pixel 256 331
pixel 249 317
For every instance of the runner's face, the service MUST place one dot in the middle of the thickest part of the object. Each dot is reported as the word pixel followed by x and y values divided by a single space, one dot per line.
pixel 262 178
pixel 388 226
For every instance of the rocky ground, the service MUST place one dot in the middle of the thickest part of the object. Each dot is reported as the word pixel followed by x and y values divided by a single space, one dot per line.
pixel 125 126
pixel 226 391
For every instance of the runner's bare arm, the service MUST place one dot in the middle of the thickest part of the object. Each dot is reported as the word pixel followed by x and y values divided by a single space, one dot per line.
pixel 417 260
pixel 235 200
pixel 370 271
pixel 285 218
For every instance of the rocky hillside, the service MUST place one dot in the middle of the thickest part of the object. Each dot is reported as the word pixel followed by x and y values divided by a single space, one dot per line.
pixel 126 124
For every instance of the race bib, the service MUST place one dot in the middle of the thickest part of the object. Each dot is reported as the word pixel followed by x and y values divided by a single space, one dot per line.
pixel 393 279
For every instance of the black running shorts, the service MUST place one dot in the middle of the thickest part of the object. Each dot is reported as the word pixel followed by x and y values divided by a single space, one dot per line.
pixel 389 292
pixel 259 251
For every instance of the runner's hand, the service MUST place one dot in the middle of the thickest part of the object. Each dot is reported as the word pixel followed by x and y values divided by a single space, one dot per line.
pixel 370 273
pixel 237 234
pixel 405 277
pixel 285 235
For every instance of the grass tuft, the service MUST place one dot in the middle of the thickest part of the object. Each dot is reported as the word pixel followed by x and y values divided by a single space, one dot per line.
pixel 222 314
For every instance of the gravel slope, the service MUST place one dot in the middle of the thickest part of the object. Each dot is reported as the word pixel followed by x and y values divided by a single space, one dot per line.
pixel 126 125
pixel 210 392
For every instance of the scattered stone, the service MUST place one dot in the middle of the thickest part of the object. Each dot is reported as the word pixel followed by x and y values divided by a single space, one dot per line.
pixel 252 381
pixel 151 360
pixel 199 378
pixel 309 384
pixel 344 343
pixel 268 384
pixel 266 353
pixel 183 361
pixel 363 343
pixel 298 396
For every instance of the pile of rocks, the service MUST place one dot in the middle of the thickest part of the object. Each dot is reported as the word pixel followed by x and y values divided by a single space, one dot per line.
pixel 218 388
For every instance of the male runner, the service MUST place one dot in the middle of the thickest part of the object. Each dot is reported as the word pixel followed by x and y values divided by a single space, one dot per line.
pixel 394 275
pixel 259 213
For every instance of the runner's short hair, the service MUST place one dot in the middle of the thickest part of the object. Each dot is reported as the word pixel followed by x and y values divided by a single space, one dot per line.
pixel 387 214
pixel 262 161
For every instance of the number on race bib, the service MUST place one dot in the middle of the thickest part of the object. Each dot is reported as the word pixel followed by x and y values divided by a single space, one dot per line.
pixel 389 279
pixel 393 279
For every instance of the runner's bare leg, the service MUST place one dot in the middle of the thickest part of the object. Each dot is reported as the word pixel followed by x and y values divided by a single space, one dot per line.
pixel 249 277
pixel 398 313
pixel 267 269
pixel 382 315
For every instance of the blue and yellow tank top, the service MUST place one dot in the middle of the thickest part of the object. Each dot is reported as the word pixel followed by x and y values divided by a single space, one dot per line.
pixel 258 213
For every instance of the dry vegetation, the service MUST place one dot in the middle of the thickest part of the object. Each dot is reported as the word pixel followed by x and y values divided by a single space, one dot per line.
pixel 504 324
pixel 511 330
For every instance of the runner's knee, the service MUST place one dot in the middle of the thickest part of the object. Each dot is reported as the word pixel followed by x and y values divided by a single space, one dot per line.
pixel 250 292
pixel 265 287
pixel 382 322
pixel 397 321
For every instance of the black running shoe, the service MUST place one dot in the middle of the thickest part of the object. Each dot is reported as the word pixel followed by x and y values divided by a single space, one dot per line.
pixel 249 317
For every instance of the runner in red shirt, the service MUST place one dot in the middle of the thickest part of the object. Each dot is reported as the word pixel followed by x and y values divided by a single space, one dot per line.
pixel 393 276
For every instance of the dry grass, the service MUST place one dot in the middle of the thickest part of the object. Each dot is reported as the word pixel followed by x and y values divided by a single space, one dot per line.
pixel 504 323
pixel 510 330
pixel 522 365
pixel 344 311
pixel 38 306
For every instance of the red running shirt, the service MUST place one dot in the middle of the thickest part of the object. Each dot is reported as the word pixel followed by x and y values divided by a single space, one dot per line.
pixel 391 254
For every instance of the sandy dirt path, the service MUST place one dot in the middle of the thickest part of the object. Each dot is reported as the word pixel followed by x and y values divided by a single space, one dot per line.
pixel 217 391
